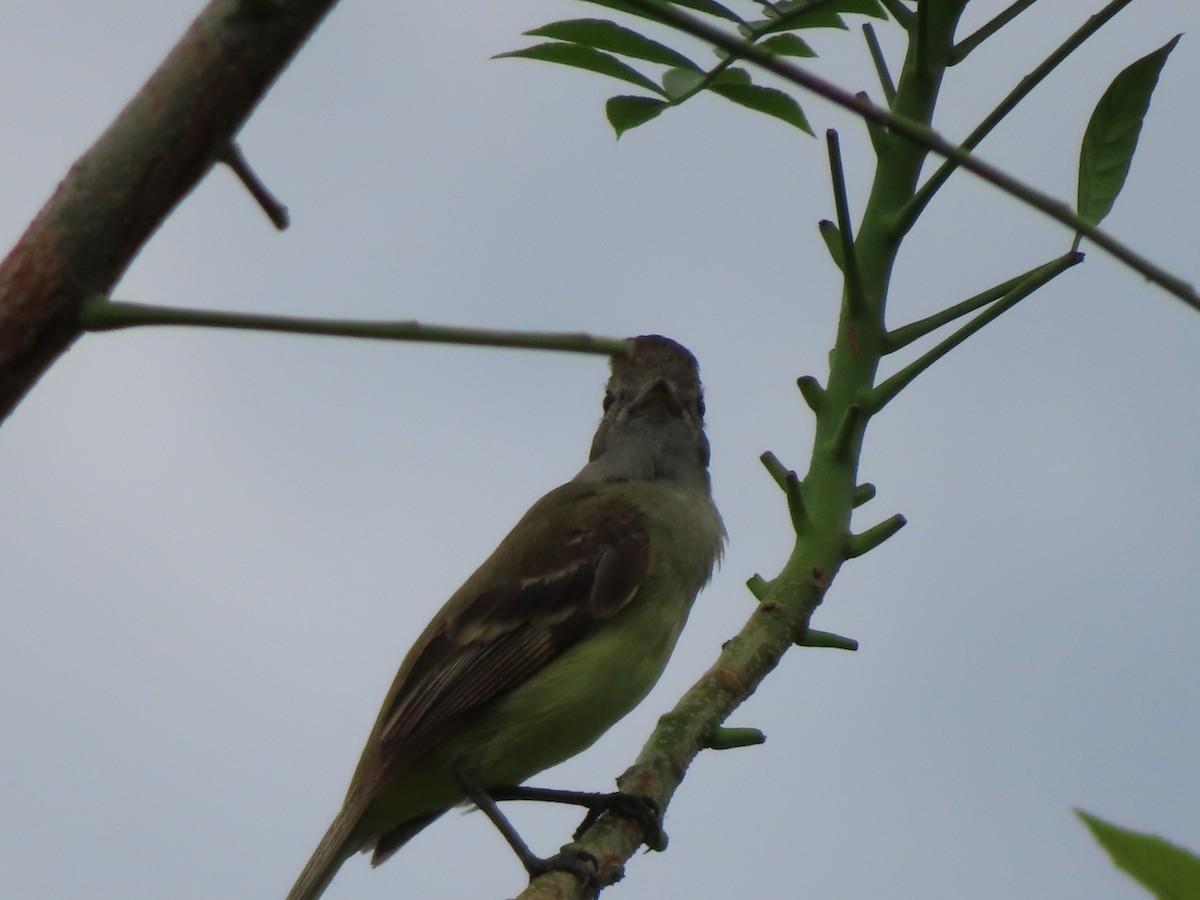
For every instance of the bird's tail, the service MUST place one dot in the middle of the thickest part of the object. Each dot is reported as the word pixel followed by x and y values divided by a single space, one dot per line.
pixel 328 857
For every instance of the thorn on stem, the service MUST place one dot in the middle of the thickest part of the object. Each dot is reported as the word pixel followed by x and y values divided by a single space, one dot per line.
pixel 814 638
pixel 812 392
pixel 864 493
pixel 874 536
pixel 733 738
pixel 758 586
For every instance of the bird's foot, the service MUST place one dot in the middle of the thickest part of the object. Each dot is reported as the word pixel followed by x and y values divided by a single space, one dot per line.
pixel 641 809
pixel 579 863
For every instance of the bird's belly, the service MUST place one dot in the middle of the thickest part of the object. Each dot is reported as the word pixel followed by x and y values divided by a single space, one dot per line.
pixel 564 708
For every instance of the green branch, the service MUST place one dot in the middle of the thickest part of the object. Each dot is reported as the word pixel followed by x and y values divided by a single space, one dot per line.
pixel 924 136
pixel 99 314
pixel 901 337
pixel 881 68
pixel 854 289
pixel 1007 105
pixel 886 391
pixel 963 48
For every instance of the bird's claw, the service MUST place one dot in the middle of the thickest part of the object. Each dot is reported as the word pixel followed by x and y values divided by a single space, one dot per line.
pixel 641 809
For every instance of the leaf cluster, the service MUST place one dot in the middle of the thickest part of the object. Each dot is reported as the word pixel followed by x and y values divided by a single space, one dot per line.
pixel 605 47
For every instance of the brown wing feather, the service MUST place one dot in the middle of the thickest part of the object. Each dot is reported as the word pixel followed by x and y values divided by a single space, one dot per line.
pixel 507 632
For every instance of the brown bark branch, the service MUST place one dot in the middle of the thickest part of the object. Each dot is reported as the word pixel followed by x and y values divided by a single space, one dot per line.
pixel 118 193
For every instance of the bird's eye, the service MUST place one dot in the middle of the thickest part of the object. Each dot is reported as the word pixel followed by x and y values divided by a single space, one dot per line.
pixel 608 400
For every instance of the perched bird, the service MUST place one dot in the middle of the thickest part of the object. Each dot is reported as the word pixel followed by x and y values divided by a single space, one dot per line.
pixel 560 633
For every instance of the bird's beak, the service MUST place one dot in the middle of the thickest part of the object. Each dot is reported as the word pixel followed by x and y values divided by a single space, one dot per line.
pixel 658 391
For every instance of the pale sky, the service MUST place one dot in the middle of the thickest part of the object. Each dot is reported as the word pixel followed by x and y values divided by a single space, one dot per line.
pixel 217 547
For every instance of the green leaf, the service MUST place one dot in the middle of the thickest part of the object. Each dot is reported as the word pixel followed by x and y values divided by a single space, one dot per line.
pixel 822 11
pixel 1112 134
pixel 872 8
pixel 705 6
pixel 627 112
pixel 679 83
pixel 768 100
pixel 732 75
pixel 710 7
pixel 622 6
pixel 584 58
pixel 1167 871
pixel 787 45
pixel 601 34
pixel 806 14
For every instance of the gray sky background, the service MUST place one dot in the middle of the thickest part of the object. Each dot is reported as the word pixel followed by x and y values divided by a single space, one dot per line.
pixel 218 546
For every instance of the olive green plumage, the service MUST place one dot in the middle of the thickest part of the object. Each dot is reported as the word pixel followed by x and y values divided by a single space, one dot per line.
pixel 561 631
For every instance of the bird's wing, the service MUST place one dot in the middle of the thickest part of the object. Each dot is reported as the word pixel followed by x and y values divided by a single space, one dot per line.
pixel 498 636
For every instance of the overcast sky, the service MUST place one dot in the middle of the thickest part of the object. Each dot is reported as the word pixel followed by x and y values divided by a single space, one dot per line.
pixel 218 546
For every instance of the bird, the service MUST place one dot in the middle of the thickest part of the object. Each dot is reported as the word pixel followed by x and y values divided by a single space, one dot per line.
pixel 559 633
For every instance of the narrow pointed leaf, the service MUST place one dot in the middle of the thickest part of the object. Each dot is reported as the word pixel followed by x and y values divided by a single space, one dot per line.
pixel 628 112
pixel 622 6
pixel 1167 871
pixel 601 34
pixel 711 7
pixel 768 100
pixel 584 58
pixel 1112 133
pixel 706 6
pixel 679 83
pixel 787 45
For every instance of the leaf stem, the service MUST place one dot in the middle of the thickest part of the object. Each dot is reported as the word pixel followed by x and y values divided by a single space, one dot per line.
pixel 881 67
pixel 854 288
pixel 901 337
pixel 963 48
pixel 884 392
